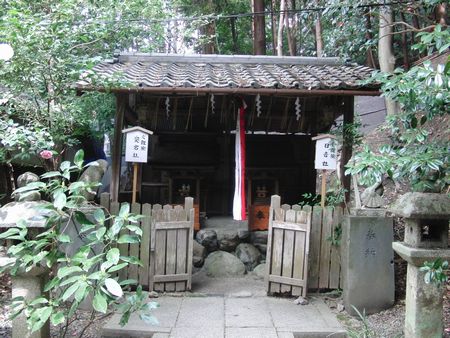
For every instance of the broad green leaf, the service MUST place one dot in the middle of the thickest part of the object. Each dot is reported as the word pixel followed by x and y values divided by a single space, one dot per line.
pixel 79 158
pixel 51 284
pixel 59 199
pixel 51 174
pixel 99 216
pixel 9 232
pixel 128 239
pixel 131 260
pixel 57 318
pixel 99 233
pixel 113 287
pixel 44 315
pixel 82 219
pixel 70 291
pixel 64 238
pixel 124 210
pixel 81 292
pixel 113 255
pixel 68 270
pixel 148 318
pixel 117 267
pixel 99 303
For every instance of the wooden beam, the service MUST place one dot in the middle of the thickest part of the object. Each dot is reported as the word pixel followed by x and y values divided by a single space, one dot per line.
pixel 347 146
pixel 294 92
pixel 116 150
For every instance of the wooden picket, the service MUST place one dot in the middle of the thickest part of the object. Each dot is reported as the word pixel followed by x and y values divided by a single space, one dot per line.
pixel 165 250
pixel 300 252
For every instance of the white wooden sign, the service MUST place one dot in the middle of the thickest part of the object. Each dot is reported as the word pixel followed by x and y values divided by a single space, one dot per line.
pixel 326 146
pixel 136 145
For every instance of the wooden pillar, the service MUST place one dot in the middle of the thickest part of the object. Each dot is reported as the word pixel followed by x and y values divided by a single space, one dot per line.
pixel 347 145
pixel 116 149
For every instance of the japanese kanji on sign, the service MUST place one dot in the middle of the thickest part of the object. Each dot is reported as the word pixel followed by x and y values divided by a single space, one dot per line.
pixel 325 159
pixel 325 152
pixel 136 150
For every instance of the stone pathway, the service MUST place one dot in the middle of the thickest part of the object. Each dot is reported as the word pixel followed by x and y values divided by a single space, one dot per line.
pixel 232 316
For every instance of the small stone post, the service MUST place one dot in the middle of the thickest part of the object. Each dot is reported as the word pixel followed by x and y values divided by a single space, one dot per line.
pixel 426 239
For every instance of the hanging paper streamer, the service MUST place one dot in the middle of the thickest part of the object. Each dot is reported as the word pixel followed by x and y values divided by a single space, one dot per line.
pixel 213 104
pixel 239 173
pixel 298 109
pixel 258 105
pixel 167 106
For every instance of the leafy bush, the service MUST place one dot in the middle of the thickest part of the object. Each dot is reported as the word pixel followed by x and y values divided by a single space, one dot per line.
pixel 92 270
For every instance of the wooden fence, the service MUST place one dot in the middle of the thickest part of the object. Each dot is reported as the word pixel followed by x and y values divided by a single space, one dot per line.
pixel 321 266
pixel 165 249
pixel 170 227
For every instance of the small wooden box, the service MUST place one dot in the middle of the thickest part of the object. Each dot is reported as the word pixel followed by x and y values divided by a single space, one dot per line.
pixel 258 217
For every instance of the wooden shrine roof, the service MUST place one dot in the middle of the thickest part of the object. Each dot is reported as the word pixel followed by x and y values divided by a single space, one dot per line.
pixel 231 73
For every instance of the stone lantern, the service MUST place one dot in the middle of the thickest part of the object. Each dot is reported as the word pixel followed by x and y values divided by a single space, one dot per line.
pixel 426 239
pixel 29 284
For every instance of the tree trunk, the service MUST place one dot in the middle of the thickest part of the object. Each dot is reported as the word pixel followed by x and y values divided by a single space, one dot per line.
pixel 209 31
pixel 280 28
pixel 259 28
pixel 319 41
pixel 273 26
pixel 234 35
pixel 289 33
pixel 370 60
pixel 385 53
pixel 405 45
pixel 441 11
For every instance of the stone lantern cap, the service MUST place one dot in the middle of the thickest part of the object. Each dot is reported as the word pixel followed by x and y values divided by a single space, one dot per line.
pixel 422 206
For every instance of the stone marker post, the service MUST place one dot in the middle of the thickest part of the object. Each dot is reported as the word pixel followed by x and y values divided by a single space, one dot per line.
pixel 367 261
pixel 426 239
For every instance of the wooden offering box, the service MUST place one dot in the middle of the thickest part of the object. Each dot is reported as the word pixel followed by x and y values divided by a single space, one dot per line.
pixel 258 217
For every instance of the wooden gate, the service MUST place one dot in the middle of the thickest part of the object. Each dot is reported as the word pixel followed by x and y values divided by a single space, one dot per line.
pixel 287 249
pixel 171 247
pixel 166 245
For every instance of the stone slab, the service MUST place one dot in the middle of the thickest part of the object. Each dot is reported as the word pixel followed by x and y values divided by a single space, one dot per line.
pixel 288 316
pixel 197 332
pixel 250 332
pixel 212 317
pixel 201 312
pixel 137 328
pixel 368 264
pixel 247 312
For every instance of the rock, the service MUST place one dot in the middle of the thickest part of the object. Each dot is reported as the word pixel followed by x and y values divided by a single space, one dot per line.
pixel 259 271
pixel 22 181
pixel 199 250
pixel 153 294
pixel 28 196
pixel 242 294
pixel 244 236
pixel 208 238
pixel 223 264
pixel 93 174
pixel 249 255
pixel 229 242
pixel 262 248
pixel 340 307
pixel 27 177
pixel 33 213
pixel 301 301
pixel 258 237
pixel 197 261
